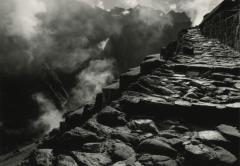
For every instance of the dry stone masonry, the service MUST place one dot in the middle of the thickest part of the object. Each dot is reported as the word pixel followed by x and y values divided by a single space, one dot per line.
pixel 224 23
pixel 180 108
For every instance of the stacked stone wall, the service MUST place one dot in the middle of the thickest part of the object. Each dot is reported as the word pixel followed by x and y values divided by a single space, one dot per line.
pixel 225 26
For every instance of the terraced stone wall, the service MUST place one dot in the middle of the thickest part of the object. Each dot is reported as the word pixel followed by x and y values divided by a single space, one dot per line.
pixel 224 23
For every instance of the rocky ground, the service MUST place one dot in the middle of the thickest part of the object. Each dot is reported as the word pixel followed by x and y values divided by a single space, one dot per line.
pixel 180 108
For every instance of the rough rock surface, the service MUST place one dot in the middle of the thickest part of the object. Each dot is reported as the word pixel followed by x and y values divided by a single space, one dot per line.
pixel 178 110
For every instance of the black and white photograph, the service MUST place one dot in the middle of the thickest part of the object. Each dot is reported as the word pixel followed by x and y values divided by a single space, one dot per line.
pixel 119 82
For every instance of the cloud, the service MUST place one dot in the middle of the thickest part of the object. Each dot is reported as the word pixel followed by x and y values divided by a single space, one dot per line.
pixel 50 116
pixel 91 80
pixel 62 33
pixel 20 18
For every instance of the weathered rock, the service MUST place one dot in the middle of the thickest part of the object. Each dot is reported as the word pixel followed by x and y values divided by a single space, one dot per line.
pixel 155 146
pixel 99 129
pixel 170 50
pixel 179 128
pixel 191 95
pixel 229 131
pixel 199 153
pixel 156 160
pixel 234 105
pixel 91 159
pixel 111 117
pixel 162 90
pixel 129 77
pixel 78 136
pixel 153 56
pixel 149 65
pixel 126 137
pixel 62 160
pixel 145 136
pixel 110 93
pixel 183 103
pixel 211 136
pixel 92 147
pixel 224 156
pixel 74 118
pixel 174 142
pixel 120 151
pixel 237 85
pixel 41 157
pixel 146 125
pixel 168 135
pixel 125 163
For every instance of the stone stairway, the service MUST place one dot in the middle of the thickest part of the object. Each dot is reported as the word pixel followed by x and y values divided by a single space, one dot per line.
pixel 179 111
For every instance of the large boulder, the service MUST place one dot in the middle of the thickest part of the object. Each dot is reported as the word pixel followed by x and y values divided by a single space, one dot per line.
pixel 229 131
pixel 74 118
pixel 62 160
pixel 129 77
pixel 120 151
pixel 100 129
pixel 109 116
pixel 200 153
pixel 224 156
pixel 110 93
pixel 150 64
pixel 126 137
pixel 156 146
pixel 211 136
pixel 197 152
pixel 145 125
pixel 78 136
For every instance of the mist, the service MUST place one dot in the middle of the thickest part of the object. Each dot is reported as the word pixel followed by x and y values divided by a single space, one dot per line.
pixel 50 115
pixel 91 80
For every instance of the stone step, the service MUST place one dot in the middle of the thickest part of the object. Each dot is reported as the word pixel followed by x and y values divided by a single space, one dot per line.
pixel 192 112
pixel 205 68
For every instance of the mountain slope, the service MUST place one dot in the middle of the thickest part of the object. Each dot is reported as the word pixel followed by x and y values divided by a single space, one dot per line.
pixel 183 111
